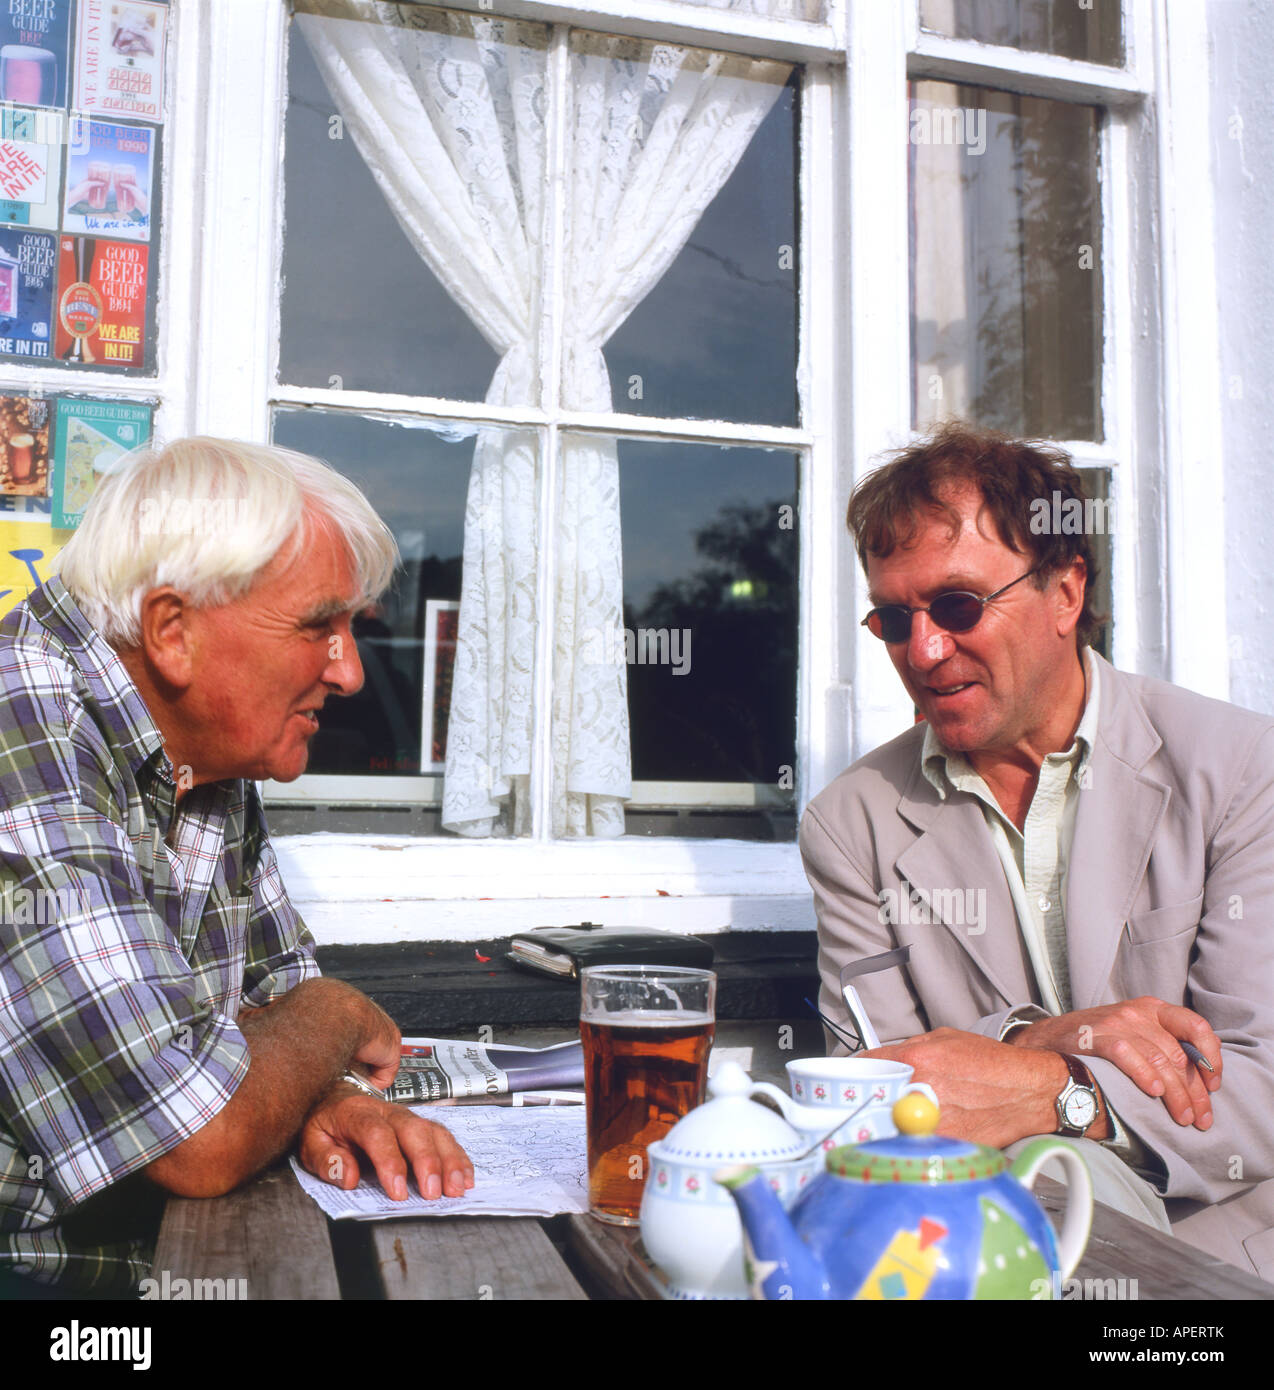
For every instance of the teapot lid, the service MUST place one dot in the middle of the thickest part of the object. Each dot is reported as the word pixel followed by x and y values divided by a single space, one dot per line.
pixel 916 1154
pixel 730 1126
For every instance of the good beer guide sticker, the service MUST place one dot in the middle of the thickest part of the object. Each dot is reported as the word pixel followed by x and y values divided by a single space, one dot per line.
pixel 33 51
pixel 108 180
pixel 26 292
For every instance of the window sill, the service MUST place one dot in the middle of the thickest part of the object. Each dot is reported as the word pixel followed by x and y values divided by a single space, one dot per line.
pixel 387 888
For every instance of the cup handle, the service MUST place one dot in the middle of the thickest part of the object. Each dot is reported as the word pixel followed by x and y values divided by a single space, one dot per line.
pixel 924 1090
pixel 785 1102
pixel 1078 1217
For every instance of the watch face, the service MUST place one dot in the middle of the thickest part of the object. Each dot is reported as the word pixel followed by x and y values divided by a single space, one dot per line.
pixel 1080 1109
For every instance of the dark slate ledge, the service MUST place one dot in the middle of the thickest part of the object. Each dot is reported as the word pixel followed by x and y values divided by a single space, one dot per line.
pixel 442 987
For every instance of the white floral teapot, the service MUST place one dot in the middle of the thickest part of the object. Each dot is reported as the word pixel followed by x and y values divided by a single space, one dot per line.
pixel 690 1224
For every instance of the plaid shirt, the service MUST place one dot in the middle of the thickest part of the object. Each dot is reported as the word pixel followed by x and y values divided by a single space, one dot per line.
pixel 131 932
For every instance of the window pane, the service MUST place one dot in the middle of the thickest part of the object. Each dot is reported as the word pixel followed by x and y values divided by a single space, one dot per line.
pixel 710 605
pixel 1006 261
pixel 1093 31
pixel 771 9
pixel 441 116
pixel 681 241
pixel 416 479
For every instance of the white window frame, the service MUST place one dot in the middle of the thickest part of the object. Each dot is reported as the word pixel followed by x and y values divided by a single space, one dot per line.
pixel 854 377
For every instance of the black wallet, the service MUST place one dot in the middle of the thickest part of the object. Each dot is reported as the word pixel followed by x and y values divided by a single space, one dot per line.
pixel 565 951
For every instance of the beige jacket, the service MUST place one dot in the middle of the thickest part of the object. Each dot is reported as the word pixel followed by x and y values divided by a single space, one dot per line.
pixel 1170 893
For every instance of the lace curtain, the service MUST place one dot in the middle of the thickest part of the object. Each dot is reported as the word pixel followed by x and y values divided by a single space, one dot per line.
pixel 448 111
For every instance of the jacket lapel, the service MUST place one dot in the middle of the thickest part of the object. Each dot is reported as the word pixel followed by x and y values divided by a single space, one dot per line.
pixel 954 854
pixel 1119 813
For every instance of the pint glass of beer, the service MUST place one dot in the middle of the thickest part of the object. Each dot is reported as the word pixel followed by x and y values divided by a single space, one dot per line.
pixel 647 1031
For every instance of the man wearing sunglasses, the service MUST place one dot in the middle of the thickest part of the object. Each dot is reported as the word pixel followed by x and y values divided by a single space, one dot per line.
pixel 1079 861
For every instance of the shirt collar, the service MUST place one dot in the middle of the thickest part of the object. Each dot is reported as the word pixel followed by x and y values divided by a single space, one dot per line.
pixel 942 768
pixel 116 699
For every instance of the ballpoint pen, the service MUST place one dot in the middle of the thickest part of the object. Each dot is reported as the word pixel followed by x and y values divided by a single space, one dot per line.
pixel 1195 1055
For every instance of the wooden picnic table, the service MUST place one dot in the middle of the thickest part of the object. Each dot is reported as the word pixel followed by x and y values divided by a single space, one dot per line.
pixel 274 1237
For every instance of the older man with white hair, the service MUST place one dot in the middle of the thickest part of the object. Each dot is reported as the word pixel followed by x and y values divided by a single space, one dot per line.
pixel 165 1028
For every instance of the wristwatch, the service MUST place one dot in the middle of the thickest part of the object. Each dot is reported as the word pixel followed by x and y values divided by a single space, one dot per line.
pixel 1077 1101
pixel 363 1085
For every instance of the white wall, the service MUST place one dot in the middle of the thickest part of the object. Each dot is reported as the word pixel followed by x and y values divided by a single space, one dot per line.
pixel 1243 155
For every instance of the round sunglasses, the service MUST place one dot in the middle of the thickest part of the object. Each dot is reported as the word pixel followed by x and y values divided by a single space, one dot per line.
pixel 953 612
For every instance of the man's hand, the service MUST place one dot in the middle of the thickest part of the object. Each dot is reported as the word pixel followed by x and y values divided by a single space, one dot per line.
pixel 1140 1037
pixel 989 1092
pixel 347 1122
pixel 380 1052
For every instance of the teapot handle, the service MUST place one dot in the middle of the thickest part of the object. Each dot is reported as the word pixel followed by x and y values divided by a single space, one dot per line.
pixel 1078 1217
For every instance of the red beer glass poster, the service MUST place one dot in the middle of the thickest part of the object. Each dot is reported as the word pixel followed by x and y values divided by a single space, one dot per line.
pixel 119 58
pixel 101 306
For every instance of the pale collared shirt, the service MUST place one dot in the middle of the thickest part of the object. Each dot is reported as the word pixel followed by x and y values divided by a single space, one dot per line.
pixel 1036 860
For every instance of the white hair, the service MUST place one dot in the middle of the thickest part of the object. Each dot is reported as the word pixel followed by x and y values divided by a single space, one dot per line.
pixel 207 516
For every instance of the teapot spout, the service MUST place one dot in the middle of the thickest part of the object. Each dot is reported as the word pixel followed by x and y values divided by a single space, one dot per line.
pixel 778 1262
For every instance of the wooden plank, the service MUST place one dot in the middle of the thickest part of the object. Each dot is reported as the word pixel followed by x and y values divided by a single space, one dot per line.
pixel 451 1257
pixel 615 1258
pixel 1134 1261
pixel 268 1234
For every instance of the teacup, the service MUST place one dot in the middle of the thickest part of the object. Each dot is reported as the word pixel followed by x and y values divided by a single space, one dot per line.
pixel 844 1100
pixel 845 1083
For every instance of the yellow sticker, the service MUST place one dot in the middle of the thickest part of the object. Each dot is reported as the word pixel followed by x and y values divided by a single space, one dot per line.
pixel 27 549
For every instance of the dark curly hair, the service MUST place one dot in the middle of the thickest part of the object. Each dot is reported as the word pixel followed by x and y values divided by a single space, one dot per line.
pixel 1013 477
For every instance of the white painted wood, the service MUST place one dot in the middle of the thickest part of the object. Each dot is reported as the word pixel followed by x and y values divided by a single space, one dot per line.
pixel 879 295
pixel 181 233
pixel 701 26
pixel 241 165
pixel 364 888
pixel 338 790
pixel 371 923
pixel 437 413
pixel 1123 448
pixel 1020 70
pixel 822 743
pixel 1191 402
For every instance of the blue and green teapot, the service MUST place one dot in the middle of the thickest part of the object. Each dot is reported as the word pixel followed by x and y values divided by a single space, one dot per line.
pixel 914 1216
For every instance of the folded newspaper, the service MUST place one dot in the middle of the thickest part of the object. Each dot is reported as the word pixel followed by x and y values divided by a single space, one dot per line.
pixel 444 1069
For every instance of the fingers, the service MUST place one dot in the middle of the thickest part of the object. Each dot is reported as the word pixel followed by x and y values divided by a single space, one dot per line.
pixel 1185 1024
pixel 381 1053
pixel 1142 1040
pixel 330 1160
pixel 440 1165
pixel 397 1143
